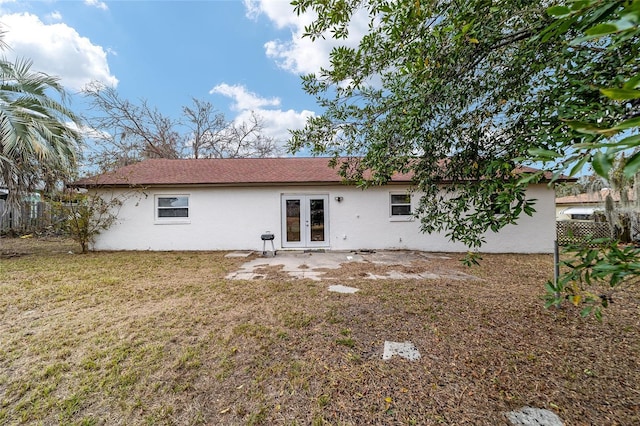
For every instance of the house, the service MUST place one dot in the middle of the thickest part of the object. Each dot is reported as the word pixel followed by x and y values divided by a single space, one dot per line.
pixel 227 204
pixel 583 206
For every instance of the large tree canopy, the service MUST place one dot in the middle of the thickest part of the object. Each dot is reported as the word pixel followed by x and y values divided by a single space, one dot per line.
pixel 39 143
pixel 461 91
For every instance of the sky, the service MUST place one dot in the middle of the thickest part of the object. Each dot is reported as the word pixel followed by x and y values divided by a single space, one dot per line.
pixel 241 56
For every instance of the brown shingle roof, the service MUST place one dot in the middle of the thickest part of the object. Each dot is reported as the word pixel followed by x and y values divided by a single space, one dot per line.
pixel 597 197
pixel 230 171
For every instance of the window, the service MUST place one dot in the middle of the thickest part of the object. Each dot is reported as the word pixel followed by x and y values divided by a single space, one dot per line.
pixel 172 207
pixel 582 217
pixel 400 205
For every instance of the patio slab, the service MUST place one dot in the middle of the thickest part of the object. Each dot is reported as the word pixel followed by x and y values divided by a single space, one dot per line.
pixel 343 289
pixel 314 265
pixel 406 350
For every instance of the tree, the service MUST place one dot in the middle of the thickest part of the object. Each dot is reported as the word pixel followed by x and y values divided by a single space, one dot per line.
pixel 87 215
pixel 446 90
pixel 39 143
pixel 127 132
pixel 207 126
pixel 608 31
pixel 464 91
pixel 587 183
pixel 212 136
pixel 600 134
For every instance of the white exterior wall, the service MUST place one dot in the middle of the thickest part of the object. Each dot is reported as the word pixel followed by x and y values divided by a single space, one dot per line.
pixel 560 212
pixel 233 218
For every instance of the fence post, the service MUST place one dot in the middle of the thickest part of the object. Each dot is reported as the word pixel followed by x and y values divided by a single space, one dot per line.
pixel 556 269
pixel 556 262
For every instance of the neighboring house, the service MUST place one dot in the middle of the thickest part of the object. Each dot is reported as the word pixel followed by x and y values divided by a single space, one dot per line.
pixel 227 204
pixel 583 206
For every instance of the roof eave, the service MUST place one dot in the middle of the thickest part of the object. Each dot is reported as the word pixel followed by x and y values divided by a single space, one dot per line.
pixel 217 184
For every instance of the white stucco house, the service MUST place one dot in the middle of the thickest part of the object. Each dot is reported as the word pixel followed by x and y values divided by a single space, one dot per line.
pixel 227 204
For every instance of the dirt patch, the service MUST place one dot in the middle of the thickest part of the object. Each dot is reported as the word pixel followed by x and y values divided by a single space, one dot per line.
pixel 416 269
pixel 28 245
pixel 365 269
pixel 272 273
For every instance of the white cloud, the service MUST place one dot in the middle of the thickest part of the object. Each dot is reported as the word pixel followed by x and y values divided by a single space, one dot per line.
pixel 89 132
pixel 56 49
pixel 96 3
pixel 243 99
pixel 300 55
pixel 252 7
pixel 278 11
pixel 54 16
pixel 277 122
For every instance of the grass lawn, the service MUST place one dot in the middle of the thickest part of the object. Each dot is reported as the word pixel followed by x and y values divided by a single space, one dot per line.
pixel 163 338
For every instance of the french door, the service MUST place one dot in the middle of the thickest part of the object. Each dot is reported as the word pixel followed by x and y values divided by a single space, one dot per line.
pixel 305 221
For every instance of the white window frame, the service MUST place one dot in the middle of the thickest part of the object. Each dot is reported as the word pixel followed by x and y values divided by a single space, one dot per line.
pixel 171 220
pixel 400 217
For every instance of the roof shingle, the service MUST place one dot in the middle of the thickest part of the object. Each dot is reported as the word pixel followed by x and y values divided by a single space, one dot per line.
pixel 228 171
pixel 597 197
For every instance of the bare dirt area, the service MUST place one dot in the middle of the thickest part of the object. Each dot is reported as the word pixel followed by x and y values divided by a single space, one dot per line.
pixel 164 338
pixel 30 245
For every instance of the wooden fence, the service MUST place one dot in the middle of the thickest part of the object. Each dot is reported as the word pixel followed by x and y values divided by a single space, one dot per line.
pixel 31 217
pixel 568 232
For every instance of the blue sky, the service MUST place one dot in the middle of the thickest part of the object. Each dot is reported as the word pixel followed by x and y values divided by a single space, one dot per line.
pixel 241 56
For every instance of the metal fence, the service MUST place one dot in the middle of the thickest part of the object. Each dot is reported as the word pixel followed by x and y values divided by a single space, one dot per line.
pixel 568 232
pixel 31 217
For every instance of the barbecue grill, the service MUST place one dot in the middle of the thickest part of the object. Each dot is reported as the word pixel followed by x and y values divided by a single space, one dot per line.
pixel 268 236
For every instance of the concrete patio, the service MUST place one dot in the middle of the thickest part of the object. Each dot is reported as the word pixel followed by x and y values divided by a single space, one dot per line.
pixel 315 264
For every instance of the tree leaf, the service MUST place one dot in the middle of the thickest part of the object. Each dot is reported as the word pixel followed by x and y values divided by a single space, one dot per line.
pixel 621 94
pixel 632 166
pixel 630 141
pixel 575 299
pixel 558 11
pixel 602 164
pixel 530 177
pixel 579 165
pixel 602 29
pixel 628 124
pixel 626 22
pixel 585 311
pixel 632 83
pixel 589 129
pixel 542 153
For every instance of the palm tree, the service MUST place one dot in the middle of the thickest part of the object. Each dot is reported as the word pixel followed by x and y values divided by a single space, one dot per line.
pixel 39 143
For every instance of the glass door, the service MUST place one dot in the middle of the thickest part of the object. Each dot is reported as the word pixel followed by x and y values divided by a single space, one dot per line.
pixel 305 221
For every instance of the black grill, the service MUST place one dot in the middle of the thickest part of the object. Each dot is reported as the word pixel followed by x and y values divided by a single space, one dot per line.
pixel 268 236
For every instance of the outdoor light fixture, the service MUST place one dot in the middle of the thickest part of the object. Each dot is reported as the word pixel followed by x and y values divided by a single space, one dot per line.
pixel 338 199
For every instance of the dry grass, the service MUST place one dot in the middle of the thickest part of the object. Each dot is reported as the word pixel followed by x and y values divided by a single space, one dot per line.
pixel 163 338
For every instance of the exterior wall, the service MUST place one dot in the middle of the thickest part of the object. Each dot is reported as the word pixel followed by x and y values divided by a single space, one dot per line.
pixel 562 216
pixel 234 218
pixel 559 212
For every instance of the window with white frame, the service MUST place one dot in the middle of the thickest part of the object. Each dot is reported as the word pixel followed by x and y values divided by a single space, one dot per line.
pixel 400 205
pixel 172 207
